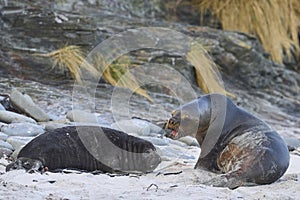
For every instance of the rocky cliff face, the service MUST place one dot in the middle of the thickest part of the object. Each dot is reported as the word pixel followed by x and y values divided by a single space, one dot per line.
pixel 262 86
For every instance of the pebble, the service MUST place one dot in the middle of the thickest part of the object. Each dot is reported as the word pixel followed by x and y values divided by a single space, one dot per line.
pixel 18 141
pixel 3 136
pixel 11 117
pixel 190 141
pixel 25 104
pixel 5 151
pixel 82 116
pixel 6 145
pixel 22 129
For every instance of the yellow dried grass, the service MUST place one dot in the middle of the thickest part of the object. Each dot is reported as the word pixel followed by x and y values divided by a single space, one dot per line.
pixel 206 71
pixel 71 58
pixel 274 22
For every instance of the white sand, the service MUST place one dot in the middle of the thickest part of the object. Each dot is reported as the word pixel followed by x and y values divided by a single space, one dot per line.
pixel 20 185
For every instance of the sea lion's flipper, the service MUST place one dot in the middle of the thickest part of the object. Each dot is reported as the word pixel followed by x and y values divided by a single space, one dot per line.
pixel 226 181
pixel 30 165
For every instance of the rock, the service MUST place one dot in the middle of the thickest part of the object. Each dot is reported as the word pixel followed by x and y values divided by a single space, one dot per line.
pixel 6 145
pixel 11 117
pixel 1 107
pixel 133 126
pixel 82 116
pixel 14 155
pixel 18 141
pixel 157 141
pixel 295 143
pixel 2 124
pixel 5 151
pixel 177 142
pixel 3 136
pixel 22 129
pixel 170 152
pixel 189 141
pixel 138 126
pixel 25 104
pixel 53 125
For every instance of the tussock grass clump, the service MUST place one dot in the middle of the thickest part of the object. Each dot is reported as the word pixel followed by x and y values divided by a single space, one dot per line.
pixel 207 76
pixel 274 22
pixel 71 58
pixel 118 74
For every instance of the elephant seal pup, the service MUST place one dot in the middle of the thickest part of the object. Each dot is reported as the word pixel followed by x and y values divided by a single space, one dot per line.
pixel 233 142
pixel 87 148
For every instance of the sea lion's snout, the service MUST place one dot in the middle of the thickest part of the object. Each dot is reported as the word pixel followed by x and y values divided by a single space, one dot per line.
pixel 172 125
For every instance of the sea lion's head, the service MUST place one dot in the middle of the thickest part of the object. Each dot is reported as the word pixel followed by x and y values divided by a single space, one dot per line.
pixel 188 119
pixel 28 164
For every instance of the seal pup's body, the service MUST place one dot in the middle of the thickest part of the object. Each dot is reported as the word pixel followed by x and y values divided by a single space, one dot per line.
pixel 88 148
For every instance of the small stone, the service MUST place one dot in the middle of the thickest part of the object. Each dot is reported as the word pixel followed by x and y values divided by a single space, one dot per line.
pixel 6 145
pixel 11 117
pixel 22 129
pixel 5 151
pixel 3 136
pixel 189 141
pixel 25 104
pixel 82 116
pixel 18 141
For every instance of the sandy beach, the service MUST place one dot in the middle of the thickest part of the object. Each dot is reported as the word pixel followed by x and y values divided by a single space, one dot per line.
pixel 174 179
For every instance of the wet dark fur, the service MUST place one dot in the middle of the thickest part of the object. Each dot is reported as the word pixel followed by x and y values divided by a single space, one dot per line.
pixel 64 148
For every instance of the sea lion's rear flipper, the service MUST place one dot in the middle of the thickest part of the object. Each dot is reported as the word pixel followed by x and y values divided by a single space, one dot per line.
pixel 226 181
pixel 30 165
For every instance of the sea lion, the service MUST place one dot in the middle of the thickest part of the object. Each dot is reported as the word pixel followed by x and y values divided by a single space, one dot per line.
pixel 87 148
pixel 233 142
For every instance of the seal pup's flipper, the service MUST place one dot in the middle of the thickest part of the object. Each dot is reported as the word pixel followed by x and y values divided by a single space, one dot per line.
pixel 30 165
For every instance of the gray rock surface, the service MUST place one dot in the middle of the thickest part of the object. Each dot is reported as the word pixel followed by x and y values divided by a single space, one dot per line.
pixel 5 152
pixel 156 141
pixel 1 107
pixel 18 141
pixel 82 116
pixel 25 104
pixel 190 141
pixel 11 117
pixel 6 145
pixel 22 129
pixel 3 136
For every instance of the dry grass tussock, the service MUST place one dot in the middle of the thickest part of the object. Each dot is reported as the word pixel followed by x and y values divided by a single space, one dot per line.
pixel 118 74
pixel 274 22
